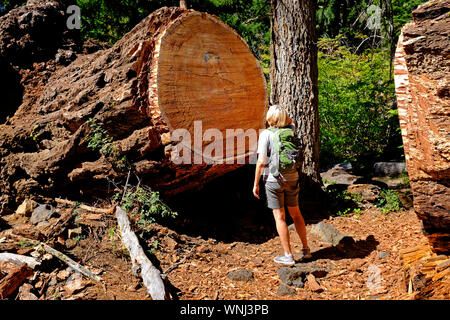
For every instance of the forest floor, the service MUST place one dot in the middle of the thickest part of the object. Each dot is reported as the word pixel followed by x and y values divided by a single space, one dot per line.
pixel 198 268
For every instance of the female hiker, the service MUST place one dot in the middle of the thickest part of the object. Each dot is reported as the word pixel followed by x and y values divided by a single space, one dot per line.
pixel 281 187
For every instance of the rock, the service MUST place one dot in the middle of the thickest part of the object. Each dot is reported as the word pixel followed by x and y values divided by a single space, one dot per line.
pixel 63 274
pixel 311 268
pixel 367 192
pixel 74 284
pixel 26 208
pixel 25 294
pixel 241 275
pixel 42 213
pixel 391 169
pixel 284 290
pixel 339 175
pixel 327 233
pixel 312 284
pixel 295 276
pixel 421 69
pixel 383 254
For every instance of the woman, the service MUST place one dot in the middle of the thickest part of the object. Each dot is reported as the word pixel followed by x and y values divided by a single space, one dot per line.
pixel 282 190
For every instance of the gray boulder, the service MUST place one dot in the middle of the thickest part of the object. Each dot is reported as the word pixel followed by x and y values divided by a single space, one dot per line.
pixel 42 213
pixel 241 275
pixel 327 233
pixel 391 169
pixel 284 290
pixel 339 175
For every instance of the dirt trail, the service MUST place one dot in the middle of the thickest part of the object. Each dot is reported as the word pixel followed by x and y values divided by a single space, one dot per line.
pixel 200 268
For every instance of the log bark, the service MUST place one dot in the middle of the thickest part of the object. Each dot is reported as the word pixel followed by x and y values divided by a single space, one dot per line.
pixel 151 276
pixel 294 81
pixel 12 281
pixel 174 68
pixel 19 259
pixel 423 96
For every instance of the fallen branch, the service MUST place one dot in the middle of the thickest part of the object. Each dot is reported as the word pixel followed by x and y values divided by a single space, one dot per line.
pixel 85 207
pixel 13 280
pixel 74 265
pixel 19 259
pixel 61 256
pixel 150 275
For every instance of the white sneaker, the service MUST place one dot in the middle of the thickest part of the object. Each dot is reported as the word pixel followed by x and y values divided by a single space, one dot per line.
pixel 287 259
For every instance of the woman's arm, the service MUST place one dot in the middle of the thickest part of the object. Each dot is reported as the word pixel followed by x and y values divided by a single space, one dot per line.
pixel 259 167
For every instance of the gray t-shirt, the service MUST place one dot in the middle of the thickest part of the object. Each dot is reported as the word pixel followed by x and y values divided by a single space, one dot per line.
pixel 265 145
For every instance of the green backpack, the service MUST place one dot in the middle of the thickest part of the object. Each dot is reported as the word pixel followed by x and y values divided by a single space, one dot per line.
pixel 286 151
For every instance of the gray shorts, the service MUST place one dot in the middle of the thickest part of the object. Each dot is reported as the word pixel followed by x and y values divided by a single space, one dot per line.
pixel 279 195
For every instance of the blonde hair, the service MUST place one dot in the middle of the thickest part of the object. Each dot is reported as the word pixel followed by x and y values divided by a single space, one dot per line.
pixel 277 117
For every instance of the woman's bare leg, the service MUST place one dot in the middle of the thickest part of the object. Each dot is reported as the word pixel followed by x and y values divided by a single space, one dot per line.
pixel 299 223
pixel 283 232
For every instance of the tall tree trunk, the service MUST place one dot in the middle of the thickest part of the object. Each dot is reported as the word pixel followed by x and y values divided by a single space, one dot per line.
pixel 294 79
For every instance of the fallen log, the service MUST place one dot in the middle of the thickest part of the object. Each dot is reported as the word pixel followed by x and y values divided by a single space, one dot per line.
pixel 13 280
pixel 19 259
pixel 151 276
pixel 423 96
pixel 176 70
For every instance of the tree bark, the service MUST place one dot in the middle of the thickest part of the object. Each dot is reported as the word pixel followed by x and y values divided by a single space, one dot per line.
pixel 174 69
pixel 11 282
pixel 294 81
pixel 423 99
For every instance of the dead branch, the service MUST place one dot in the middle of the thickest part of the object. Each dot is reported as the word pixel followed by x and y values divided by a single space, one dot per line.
pixel 85 207
pixel 150 275
pixel 19 259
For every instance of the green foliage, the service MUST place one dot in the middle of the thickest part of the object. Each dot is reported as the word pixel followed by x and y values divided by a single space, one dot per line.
pixel 389 202
pixel 109 20
pixel 146 203
pixel 356 102
pixel 343 203
pixel 154 248
pixel 7 5
pixel 24 243
pixel 78 238
pixel 100 140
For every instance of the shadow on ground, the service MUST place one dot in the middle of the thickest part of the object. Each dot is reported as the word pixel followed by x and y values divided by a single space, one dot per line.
pixel 225 210
pixel 347 248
